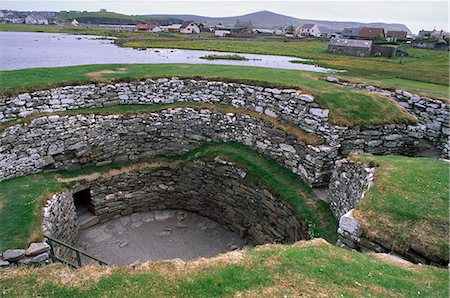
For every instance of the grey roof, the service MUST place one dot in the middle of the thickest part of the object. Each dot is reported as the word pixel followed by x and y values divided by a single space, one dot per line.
pixel 38 17
pixel 351 31
pixel 185 24
pixel 308 26
pixel 350 43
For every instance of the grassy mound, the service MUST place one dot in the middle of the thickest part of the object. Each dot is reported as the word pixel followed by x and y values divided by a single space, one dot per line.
pixel 25 196
pixel 365 108
pixel 409 203
pixel 307 269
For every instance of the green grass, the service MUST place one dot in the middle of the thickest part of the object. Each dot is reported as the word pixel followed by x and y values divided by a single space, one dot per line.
pixel 24 196
pixel 428 66
pixel 364 108
pixel 223 57
pixel 409 202
pixel 306 269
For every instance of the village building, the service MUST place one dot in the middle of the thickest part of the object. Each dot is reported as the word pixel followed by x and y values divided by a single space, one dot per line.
pixel 396 35
pixel 372 33
pixel 351 32
pixel 36 20
pixel 189 27
pixel 288 31
pixel 210 26
pixel 148 28
pixel 264 31
pixel 221 33
pixel 307 30
pixel 351 47
pixel 75 23
pixel 171 28
pixel 9 17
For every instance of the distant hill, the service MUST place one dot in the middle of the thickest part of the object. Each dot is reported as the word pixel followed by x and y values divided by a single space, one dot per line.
pixel 271 20
pixel 112 18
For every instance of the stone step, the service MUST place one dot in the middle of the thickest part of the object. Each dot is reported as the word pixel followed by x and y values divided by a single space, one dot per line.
pixel 87 220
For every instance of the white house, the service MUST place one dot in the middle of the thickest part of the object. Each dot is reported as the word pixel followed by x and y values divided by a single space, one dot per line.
pixel 189 27
pixel 221 33
pixel 307 30
pixel 75 23
pixel 36 20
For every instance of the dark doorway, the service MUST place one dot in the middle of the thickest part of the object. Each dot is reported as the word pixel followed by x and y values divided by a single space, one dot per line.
pixel 83 201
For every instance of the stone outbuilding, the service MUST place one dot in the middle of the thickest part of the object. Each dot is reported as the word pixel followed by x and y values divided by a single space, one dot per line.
pixel 352 47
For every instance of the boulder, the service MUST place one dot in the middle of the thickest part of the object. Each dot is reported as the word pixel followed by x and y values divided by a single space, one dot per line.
pixel 13 255
pixel 319 112
pixel 4 264
pixel 348 223
pixel 333 80
pixel 306 98
pixel 37 248
pixel 41 258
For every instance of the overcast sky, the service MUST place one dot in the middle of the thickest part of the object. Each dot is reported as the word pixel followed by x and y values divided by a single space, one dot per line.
pixel 416 15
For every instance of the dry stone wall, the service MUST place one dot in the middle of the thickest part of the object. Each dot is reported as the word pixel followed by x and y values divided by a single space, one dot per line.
pixel 286 104
pixel 57 142
pixel 348 184
pixel 60 218
pixel 217 189
pixel 433 114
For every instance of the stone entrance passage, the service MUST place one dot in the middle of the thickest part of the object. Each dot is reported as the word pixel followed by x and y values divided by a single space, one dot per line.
pixel 157 235
pixel 84 208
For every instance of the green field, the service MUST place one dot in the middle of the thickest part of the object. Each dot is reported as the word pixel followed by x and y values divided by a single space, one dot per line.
pixel 305 269
pixel 24 196
pixel 408 203
pixel 424 71
pixel 424 66
pixel 348 107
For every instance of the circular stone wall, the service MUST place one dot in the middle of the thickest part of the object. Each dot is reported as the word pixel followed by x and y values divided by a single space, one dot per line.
pixel 57 142
pixel 215 189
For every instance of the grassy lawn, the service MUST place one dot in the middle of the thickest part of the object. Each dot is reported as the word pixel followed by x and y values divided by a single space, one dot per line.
pixel 408 203
pixel 306 269
pixel 423 66
pixel 25 196
pixel 347 107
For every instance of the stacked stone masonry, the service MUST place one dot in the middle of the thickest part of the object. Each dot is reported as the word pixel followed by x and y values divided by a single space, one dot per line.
pixel 433 114
pixel 348 184
pixel 217 189
pixel 290 105
pixel 57 142
pixel 35 255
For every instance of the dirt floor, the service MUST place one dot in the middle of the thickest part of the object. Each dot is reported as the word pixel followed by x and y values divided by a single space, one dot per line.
pixel 157 235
